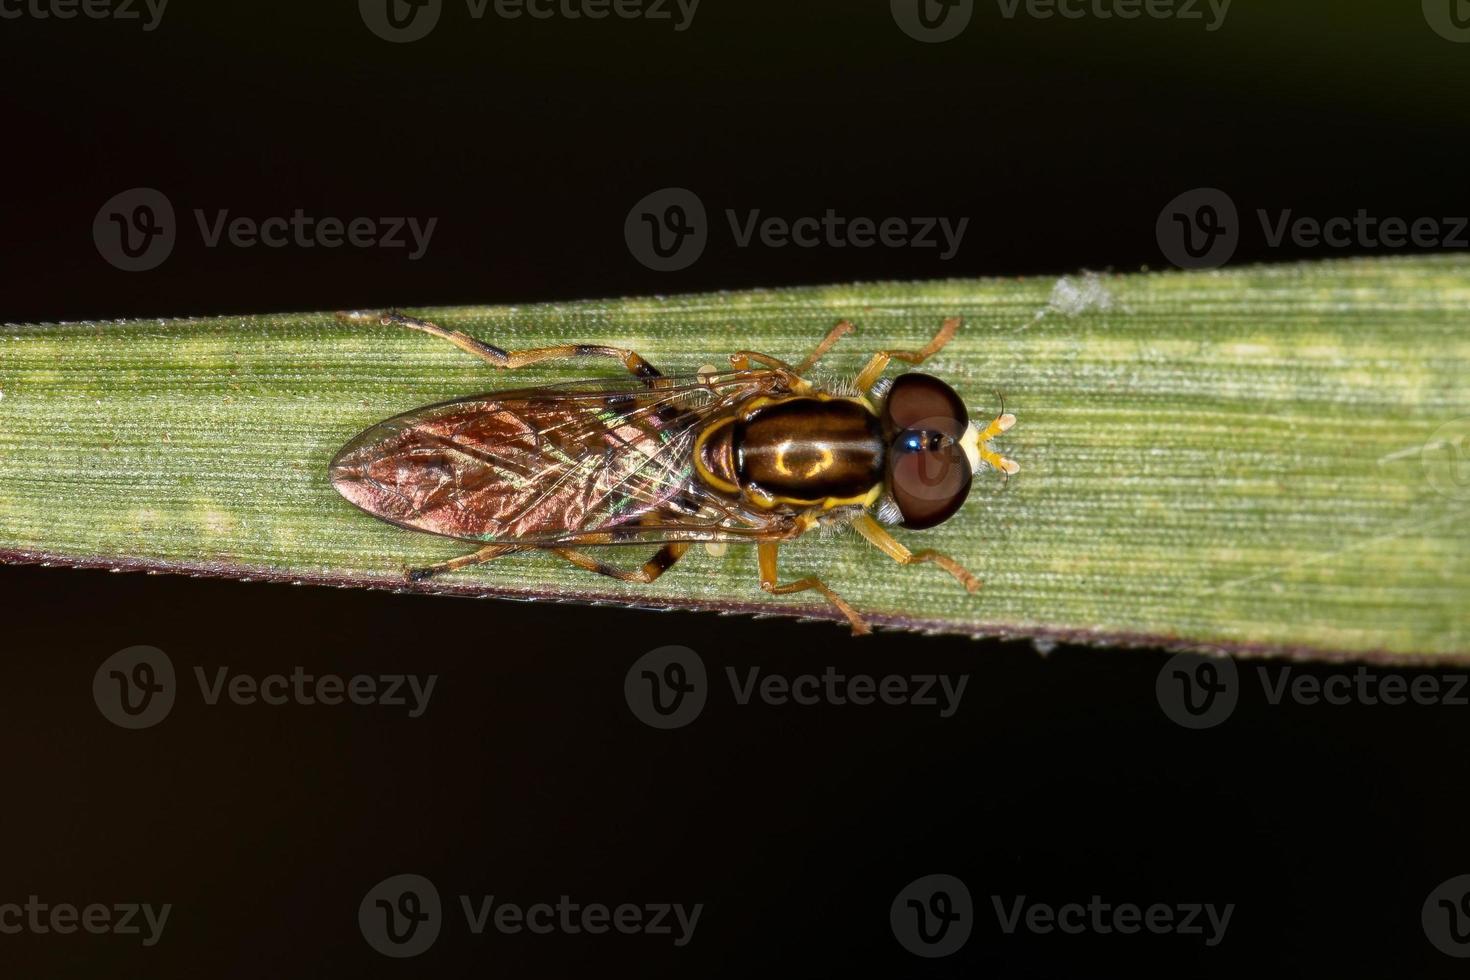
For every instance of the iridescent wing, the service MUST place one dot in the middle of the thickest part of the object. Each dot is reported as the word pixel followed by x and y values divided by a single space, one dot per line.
pixel 561 464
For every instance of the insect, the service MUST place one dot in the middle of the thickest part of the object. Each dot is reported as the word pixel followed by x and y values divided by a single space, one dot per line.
pixel 758 454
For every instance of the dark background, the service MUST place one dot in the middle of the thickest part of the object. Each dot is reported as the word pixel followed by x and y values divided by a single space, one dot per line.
pixel 528 777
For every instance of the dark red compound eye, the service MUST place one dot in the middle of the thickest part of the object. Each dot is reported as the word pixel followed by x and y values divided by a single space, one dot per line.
pixel 928 470
pixel 919 401
pixel 928 476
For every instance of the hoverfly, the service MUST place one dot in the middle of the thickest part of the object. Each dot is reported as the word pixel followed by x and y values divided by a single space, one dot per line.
pixel 756 454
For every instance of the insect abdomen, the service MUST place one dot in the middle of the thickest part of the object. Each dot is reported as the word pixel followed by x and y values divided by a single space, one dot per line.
pixel 803 450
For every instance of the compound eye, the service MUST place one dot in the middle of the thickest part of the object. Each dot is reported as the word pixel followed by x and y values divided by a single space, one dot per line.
pixel 923 402
pixel 928 477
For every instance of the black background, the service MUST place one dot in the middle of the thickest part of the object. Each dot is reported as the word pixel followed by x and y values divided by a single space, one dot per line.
pixel 528 777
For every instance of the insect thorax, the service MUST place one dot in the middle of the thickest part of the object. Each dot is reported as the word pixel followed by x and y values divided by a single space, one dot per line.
pixel 798 451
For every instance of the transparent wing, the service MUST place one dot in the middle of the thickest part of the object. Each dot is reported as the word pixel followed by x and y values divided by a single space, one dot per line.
pixel 559 464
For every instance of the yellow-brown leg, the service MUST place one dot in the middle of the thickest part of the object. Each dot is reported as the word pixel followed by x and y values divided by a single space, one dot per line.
pixel 890 546
pixel 661 562
pixel 488 553
pixel 999 424
pixel 768 550
pixel 871 373
pixel 740 360
pixel 843 328
pixel 508 360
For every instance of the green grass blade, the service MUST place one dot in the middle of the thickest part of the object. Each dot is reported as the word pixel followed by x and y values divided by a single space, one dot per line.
pixel 1262 459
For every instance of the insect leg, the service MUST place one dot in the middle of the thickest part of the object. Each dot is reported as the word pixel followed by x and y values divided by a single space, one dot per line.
pixel 490 551
pixel 870 374
pixel 894 549
pixel 508 360
pixel 843 328
pixel 767 554
pixel 741 359
pixel 1001 423
pixel 661 562
pixel 997 425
